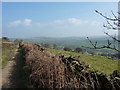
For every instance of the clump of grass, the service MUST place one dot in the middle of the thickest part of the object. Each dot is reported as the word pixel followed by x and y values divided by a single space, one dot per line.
pixel 7 52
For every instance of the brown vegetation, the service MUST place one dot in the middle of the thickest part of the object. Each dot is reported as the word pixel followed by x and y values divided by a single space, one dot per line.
pixel 52 71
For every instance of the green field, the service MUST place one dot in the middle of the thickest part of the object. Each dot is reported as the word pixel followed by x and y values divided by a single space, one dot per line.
pixel 8 49
pixel 102 64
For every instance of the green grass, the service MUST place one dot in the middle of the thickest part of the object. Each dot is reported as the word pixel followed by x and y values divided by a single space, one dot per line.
pixel 102 64
pixel 7 52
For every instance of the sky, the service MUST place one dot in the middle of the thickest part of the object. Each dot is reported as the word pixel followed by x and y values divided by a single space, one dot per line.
pixel 54 19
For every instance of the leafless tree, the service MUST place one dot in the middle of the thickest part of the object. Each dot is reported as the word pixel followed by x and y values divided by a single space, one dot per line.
pixel 113 23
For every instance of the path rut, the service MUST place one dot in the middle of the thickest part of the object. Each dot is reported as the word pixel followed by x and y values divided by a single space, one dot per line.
pixel 10 74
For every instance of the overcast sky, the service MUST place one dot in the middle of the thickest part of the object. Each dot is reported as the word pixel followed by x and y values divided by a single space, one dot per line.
pixel 55 19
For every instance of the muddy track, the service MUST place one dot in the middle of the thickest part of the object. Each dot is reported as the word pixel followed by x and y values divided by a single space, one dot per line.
pixel 10 74
pixel 6 74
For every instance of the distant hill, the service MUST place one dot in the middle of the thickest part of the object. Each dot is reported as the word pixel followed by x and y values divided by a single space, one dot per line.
pixel 71 42
pixel 68 41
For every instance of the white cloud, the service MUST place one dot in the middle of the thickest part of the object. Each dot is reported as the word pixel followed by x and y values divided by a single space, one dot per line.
pixel 60 27
pixel 93 23
pixel 85 22
pixel 15 23
pixel 67 22
pixel 25 22
pixel 59 22
pixel 40 25
pixel 74 21
pixel 69 26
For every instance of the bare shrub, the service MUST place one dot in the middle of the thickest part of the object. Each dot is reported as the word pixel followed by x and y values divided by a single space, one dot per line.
pixel 54 71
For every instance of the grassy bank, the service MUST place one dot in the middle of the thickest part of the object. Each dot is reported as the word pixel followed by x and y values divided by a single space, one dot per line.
pixel 8 49
pixel 101 64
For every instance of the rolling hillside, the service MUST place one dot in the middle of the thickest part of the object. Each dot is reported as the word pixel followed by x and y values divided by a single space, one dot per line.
pixel 72 42
pixel 101 64
pixel 67 41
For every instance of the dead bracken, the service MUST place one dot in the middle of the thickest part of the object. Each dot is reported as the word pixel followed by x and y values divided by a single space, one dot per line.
pixel 54 71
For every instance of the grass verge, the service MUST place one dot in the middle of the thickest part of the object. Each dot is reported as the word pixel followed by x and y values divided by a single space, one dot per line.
pixel 7 52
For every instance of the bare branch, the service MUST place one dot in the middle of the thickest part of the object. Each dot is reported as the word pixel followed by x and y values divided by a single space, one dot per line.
pixel 114 14
pixel 108 18
pixel 108 46
pixel 112 23
pixel 114 38
pixel 118 13
pixel 92 43
pixel 115 23
pixel 112 27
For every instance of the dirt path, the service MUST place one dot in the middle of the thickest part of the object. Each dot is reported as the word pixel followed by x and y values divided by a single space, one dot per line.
pixel 6 73
pixel 10 74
